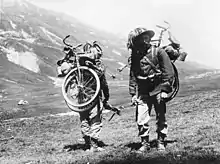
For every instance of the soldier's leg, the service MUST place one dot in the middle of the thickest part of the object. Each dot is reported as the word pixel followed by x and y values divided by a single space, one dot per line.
pixel 143 110
pixel 85 128
pixel 96 126
pixel 162 128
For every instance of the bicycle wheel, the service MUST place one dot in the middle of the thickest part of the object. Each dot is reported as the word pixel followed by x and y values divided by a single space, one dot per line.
pixel 175 85
pixel 81 91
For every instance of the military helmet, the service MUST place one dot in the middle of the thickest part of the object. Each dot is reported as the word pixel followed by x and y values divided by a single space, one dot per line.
pixel 132 36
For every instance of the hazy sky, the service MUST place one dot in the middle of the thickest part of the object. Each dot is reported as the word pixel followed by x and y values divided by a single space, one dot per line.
pixel 195 23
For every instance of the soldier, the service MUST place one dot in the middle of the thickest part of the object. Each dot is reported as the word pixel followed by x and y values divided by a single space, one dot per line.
pixel 151 75
pixel 91 119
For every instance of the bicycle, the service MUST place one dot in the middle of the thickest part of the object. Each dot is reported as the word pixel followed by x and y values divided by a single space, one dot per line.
pixel 81 85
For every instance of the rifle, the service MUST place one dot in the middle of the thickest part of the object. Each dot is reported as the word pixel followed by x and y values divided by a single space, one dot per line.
pixel 115 110
pixel 118 110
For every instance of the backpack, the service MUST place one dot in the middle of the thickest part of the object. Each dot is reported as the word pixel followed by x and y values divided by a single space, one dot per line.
pixel 148 64
pixel 173 54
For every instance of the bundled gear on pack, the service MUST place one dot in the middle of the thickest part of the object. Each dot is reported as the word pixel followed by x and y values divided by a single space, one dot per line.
pixel 174 50
pixel 92 57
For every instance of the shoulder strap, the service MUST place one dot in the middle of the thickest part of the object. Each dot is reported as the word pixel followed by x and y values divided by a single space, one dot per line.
pixel 154 52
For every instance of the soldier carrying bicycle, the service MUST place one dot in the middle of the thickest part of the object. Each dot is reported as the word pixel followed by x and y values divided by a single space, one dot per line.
pixel 153 80
pixel 91 118
pixel 151 75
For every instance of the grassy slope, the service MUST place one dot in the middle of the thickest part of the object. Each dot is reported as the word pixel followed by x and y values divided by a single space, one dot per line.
pixel 193 135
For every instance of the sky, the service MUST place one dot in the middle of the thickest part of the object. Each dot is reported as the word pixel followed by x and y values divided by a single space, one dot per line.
pixel 194 23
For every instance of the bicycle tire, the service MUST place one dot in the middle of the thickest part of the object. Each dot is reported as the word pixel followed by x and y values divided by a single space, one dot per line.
pixel 175 85
pixel 80 107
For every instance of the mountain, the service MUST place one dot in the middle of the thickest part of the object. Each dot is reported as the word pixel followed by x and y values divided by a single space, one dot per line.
pixel 31 43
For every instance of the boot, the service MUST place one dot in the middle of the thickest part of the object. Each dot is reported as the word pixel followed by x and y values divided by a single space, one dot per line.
pixel 87 140
pixel 94 146
pixel 145 145
pixel 160 142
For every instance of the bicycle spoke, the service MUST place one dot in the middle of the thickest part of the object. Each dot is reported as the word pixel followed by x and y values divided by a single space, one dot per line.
pixel 82 74
pixel 81 86
pixel 87 96
pixel 77 78
pixel 87 78
pixel 89 91
pixel 80 98
pixel 93 84
pixel 88 81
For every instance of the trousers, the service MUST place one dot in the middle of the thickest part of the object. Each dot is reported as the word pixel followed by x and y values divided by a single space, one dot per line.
pixel 143 112
pixel 91 121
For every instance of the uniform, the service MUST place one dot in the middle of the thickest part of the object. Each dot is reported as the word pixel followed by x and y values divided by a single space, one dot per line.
pixel 148 91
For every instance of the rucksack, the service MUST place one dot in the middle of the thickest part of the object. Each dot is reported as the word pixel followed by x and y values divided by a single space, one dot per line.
pixel 173 54
pixel 146 62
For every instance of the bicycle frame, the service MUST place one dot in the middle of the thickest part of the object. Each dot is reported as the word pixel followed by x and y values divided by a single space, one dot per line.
pixel 163 29
pixel 76 57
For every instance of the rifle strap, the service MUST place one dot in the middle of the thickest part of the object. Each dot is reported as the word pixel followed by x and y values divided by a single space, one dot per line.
pixel 154 53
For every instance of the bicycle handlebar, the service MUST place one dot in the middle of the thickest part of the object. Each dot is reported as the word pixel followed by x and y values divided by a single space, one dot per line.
pixel 162 31
pixel 161 27
pixel 77 46
pixel 64 41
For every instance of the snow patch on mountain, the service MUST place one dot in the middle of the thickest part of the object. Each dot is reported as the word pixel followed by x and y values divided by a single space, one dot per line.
pixel 26 59
pixel 116 52
pixel 50 35
pixel 22 35
pixel 27 37
pixel 9 34
pixel 57 81
pixel 25 46
pixel 122 64
pixel 13 25
pixel 10 81
pixel 22 16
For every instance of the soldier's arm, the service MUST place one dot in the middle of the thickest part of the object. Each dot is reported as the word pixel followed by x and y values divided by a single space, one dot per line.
pixel 167 70
pixel 103 81
pixel 104 87
pixel 132 80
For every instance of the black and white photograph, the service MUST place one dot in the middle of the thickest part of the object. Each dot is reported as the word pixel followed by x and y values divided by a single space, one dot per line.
pixel 109 82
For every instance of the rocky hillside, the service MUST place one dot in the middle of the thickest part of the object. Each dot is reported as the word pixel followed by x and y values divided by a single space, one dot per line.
pixel 31 44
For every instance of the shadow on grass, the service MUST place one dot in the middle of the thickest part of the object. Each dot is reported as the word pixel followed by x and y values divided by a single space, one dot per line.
pixel 75 147
pixel 153 144
pixel 80 146
pixel 180 157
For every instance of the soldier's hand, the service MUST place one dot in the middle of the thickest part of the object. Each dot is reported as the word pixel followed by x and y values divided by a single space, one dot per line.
pixel 161 96
pixel 134 100
pixel 164 95
pixel 107 105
